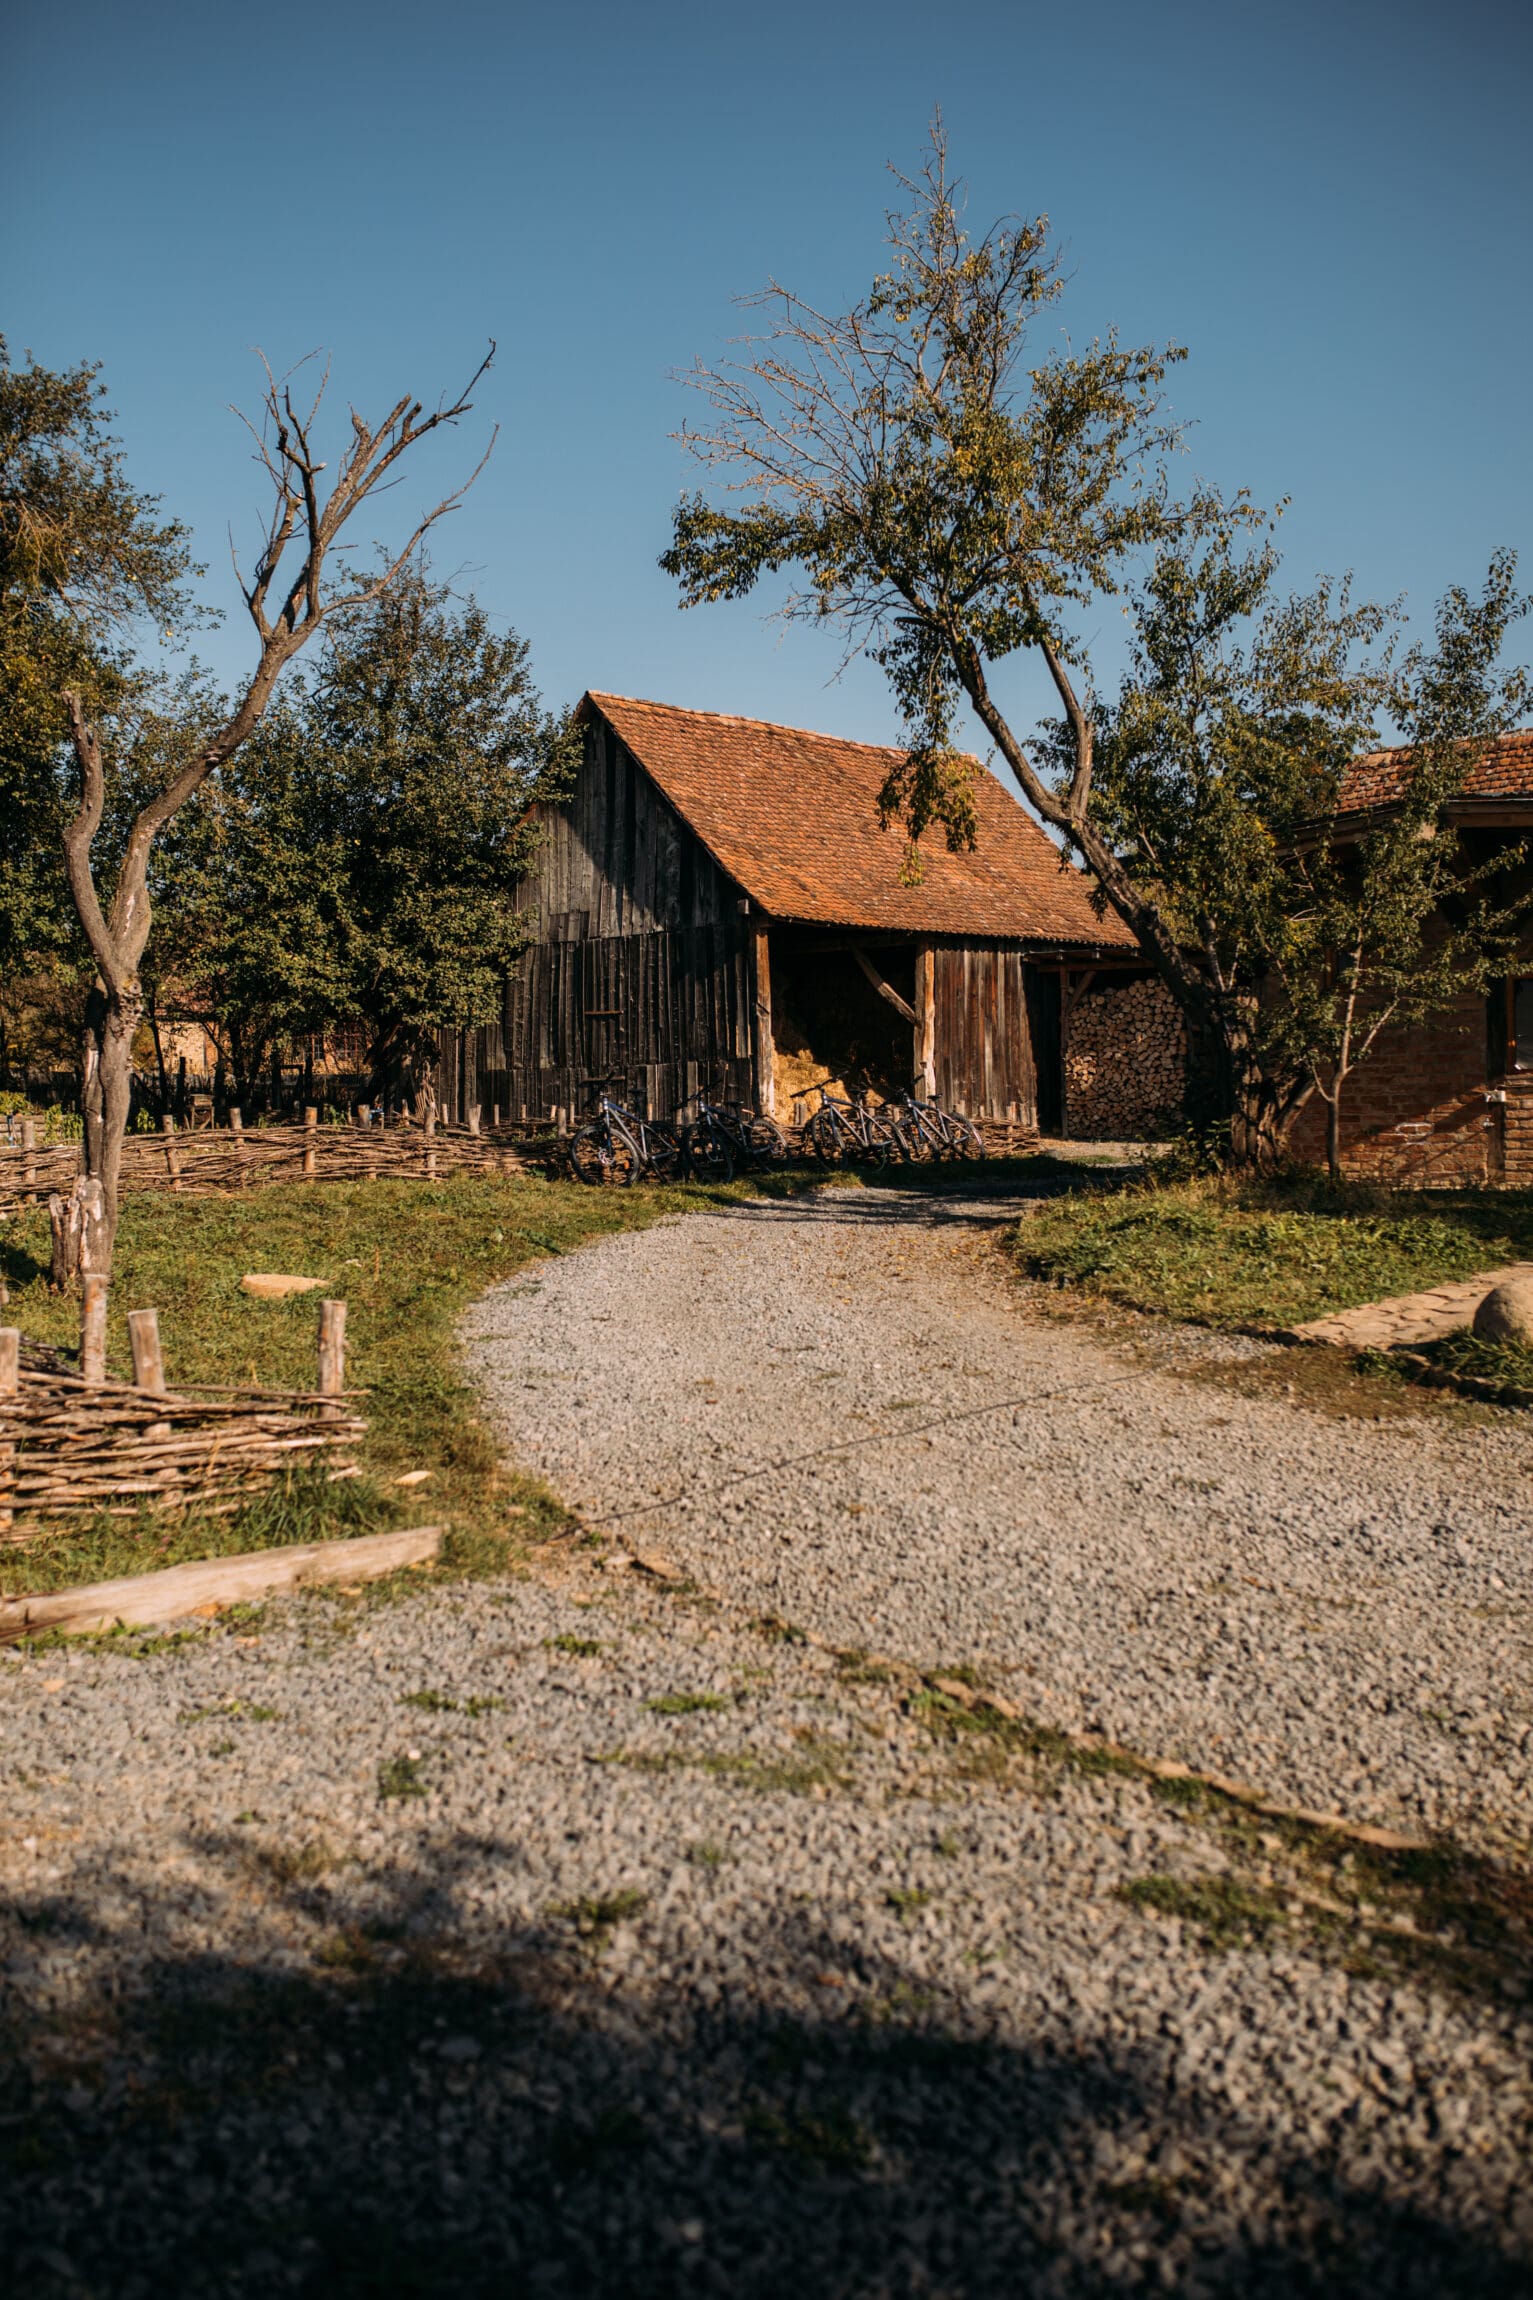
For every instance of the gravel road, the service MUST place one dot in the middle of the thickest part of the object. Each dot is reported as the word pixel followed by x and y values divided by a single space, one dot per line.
pixel 571 1938
pixel 840 1411
pixel 583 1933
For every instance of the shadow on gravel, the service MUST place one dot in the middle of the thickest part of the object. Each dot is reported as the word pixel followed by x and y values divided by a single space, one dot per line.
pixel 394 2113
pixel 973 1197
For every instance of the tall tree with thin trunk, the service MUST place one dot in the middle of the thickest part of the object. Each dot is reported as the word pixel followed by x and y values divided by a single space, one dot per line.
pixel 951 488
pixel 290 597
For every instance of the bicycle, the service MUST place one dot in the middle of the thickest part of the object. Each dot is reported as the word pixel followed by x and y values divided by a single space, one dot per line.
pixel 937 1133
pixel 708 1149
pixel 753 1138
pixel 849 1133
pixel 616 1147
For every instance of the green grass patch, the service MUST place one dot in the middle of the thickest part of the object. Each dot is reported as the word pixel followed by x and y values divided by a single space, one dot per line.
pixel 1235 1253
pixel 408 1257
pixel 1464 1353
pixel 686 1704
pixel 1224 1911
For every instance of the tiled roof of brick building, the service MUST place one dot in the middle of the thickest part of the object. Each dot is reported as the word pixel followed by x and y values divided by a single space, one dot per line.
pixel 1504 771
pixel 792 817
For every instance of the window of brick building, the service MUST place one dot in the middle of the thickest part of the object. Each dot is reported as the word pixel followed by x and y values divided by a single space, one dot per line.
pixel 1511 1025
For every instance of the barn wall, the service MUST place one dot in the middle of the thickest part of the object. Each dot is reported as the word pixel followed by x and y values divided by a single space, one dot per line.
pixel 618 860
pixel 984 1043
pixel 639 967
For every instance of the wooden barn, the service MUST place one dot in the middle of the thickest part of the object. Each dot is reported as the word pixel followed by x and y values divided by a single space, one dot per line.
pixel 716 910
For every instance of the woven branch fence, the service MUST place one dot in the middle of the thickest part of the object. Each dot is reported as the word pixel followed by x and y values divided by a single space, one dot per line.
pixel 80 1441
pixel 228 1159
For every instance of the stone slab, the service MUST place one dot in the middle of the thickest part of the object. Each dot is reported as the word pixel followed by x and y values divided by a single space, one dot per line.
pixel 1403 1318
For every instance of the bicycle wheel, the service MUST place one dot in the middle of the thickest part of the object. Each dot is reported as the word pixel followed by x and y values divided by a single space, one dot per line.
pixel 603 1156
pixel 826 1139
pixel 765 1142
pixel 709 1157
pixel 966 1140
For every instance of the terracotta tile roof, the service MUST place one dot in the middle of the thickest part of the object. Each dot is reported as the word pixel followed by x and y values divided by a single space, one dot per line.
pixel 792 817
pixel 1505 771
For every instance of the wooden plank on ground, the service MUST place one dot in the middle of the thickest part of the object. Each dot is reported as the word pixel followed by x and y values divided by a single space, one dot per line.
pixel 147 1599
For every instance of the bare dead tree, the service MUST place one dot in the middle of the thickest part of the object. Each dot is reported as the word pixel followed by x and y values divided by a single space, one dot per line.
pixel 286 612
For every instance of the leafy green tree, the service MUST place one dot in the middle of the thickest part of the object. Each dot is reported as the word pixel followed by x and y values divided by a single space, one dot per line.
pixel 1219 780
pixel 84 559
pixel 950 491
pixel 97 562
pixel 358 862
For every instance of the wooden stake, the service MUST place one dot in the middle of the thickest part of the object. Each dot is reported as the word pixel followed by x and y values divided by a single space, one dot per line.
pixel 93 1327
pixel 10 1383
pixel 148 1359
pixel 172 1154
pixel 29 1151
pixel 473 1118
pixel 332 1351
pixel 494 1113
pixel 310 1141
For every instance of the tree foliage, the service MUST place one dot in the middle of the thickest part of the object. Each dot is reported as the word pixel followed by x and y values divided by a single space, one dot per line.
pixel 357 861
pixel 951 489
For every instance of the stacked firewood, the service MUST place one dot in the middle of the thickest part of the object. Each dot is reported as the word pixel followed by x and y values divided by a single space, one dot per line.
pixel 1125 1062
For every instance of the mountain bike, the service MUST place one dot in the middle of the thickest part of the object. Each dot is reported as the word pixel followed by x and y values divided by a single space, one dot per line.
pixel 849 1133
pixel 616 1147
pixel 933 1132
pixel 753 1138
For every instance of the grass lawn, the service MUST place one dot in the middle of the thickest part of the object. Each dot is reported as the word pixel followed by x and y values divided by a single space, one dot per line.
pixel 1231 1253
pixel 408 1257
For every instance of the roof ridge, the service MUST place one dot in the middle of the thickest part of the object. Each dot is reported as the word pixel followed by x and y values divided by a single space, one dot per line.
pixel 739 719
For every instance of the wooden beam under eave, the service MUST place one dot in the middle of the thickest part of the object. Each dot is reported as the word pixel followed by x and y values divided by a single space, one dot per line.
pixel 926 1021
pixel 766 1084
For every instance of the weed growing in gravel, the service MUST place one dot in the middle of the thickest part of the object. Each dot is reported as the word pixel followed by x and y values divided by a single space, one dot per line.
pixel 249 1713
pixel 1224 1911
pixel 578 1648
pixel 706 1856
pixel 686 1704
pixel 596 1915
pixel 296 1864
pixel 833 2141
pixel 427 1699
pixel 401 1777
pixel 906 1900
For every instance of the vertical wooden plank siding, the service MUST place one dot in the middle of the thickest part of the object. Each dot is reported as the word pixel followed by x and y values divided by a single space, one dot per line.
pixel 766 1094
pixel 982 1053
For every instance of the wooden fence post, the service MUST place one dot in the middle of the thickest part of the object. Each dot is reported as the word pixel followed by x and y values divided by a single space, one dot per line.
pixel 473 1117
pixel 310 1141
pixel 148 1359
pixel 93 1328
pixel 172 1154
pixel 430 1124
pixel 10 1383
pixel 237 1129
pixel 495 1114
pixel 29 1154
pixel 332 1353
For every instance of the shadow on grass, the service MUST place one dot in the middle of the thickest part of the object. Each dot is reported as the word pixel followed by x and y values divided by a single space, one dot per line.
pixel 396 2109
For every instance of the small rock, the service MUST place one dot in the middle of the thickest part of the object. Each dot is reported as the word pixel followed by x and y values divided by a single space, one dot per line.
pixel 271 1286
pixel 1506 1314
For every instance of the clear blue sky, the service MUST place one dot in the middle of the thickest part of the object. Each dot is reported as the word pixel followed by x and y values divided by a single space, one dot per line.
pixel 1331 204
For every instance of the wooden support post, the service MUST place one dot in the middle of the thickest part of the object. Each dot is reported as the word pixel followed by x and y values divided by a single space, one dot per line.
pixel 172 1154
pixel 926 1021
pixel 310 1141
pixel 148 1358
pixel 495 1114
pixel 766 1081
pixel 332 1352
pixel 10 1384
pixel 93 1327
pixel 473 1118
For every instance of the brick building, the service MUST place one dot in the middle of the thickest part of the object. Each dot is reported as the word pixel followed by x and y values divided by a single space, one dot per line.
pixel 1451 1099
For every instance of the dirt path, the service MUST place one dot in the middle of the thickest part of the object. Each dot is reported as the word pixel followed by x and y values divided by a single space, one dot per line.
pixel 841 1411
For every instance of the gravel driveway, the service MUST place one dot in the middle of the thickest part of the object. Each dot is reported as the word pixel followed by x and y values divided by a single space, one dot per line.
pixel 582 1934
pixel 840 1411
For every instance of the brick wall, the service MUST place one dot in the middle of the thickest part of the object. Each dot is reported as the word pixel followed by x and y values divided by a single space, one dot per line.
pixel 1419 1109
pixel 1125 1062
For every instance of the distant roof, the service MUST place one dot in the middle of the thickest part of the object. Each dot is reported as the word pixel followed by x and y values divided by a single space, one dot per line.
pixel 793 818
pixel 1504 771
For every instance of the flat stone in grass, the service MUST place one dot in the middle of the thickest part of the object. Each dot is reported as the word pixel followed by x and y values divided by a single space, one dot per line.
pixel 1506 1314
pixel 270 1286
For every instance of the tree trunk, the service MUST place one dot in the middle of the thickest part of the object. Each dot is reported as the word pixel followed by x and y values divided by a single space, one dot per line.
pixel 85 1225
pixel 1333 1129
